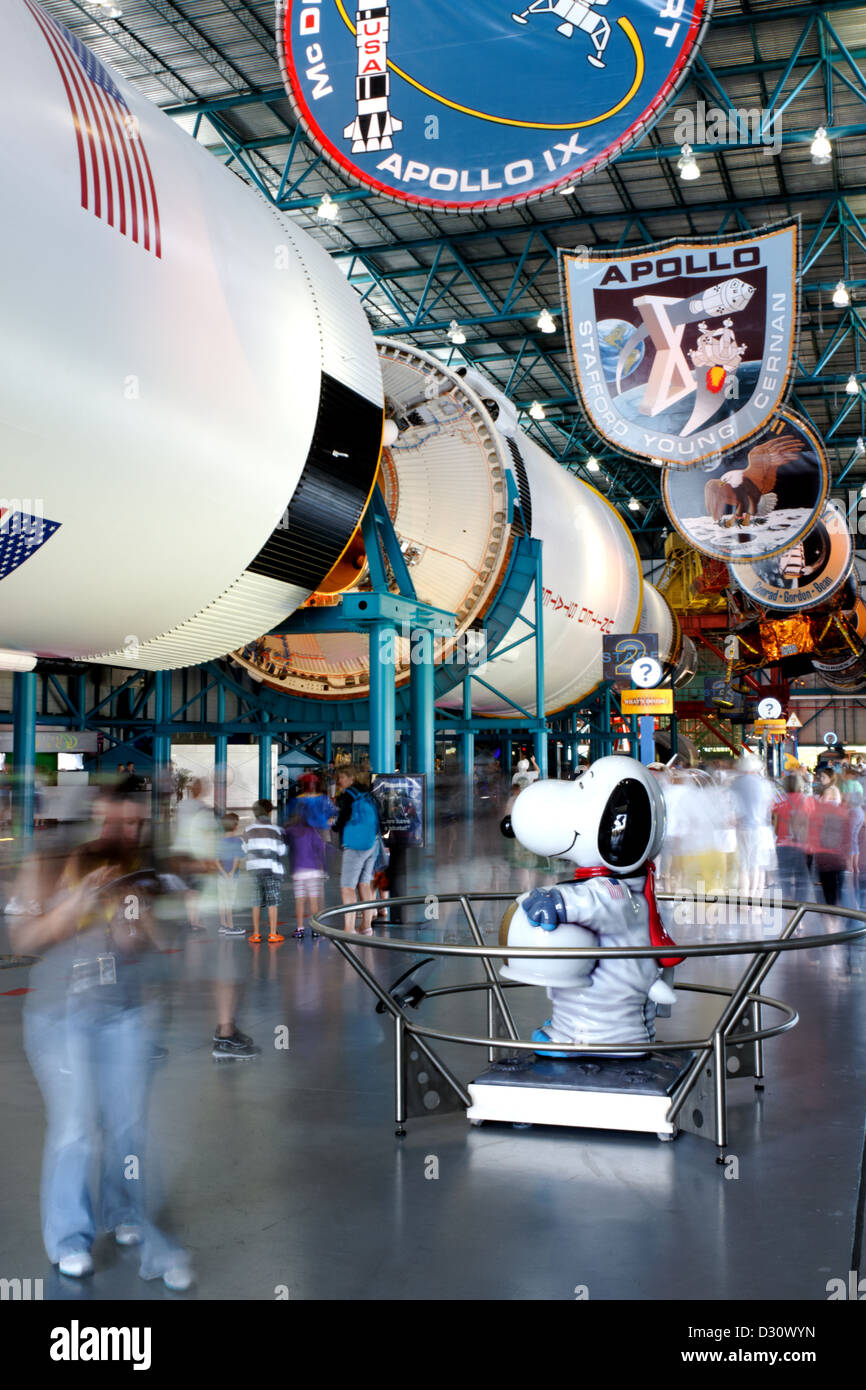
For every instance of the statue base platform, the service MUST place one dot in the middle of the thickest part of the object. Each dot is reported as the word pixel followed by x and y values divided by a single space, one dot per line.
pixel 624 1093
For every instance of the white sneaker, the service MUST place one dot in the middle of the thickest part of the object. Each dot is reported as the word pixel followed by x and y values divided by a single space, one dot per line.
pixel 179 1279
pixel 127 1235
pixel 77 1265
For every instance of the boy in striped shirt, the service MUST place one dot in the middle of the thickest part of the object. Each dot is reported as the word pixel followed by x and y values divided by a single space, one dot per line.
pixel 264 852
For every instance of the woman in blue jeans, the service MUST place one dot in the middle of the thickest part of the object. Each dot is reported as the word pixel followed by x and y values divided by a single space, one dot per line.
pixel 88 1036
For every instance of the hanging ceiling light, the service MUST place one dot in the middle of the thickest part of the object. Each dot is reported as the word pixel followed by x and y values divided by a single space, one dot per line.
pixel 593 464
pixel 687 164
pixel 328 211
pixel 852 386
pixel 821 150
pixel 568 190
pixel 537 412
pixel 841 297
pixel 107 8
pixel 546 322
pixel 860 446
pixel 455 333
pixel 633 504
pixel 863 490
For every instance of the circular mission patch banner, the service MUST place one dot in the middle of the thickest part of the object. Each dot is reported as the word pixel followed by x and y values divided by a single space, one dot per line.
pixel 806 574
pixel 755 501
pixel 465 106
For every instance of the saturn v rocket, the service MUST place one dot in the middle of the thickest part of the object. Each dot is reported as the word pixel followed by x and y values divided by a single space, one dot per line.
pixel 191 422
pixel 190 401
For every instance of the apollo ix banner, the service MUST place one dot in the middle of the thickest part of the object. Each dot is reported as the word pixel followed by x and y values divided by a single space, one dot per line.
pixel 684 349
pixel 482 105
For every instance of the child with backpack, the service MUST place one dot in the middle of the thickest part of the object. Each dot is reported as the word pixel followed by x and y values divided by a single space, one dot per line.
pixel 358 827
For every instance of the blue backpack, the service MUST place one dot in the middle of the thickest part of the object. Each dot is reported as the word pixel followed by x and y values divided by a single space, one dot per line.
pixel 317 811
pixel 362 828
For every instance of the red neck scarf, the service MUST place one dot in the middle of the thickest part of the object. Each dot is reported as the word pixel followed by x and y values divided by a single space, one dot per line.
pixel 658 935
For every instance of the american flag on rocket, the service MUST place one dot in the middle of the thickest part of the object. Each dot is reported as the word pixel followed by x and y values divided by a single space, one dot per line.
pixel 116 178
pixel 21 535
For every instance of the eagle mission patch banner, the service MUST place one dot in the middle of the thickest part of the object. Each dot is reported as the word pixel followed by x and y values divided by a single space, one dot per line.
pixel 684 349
pixel 481 105
pixel 754 502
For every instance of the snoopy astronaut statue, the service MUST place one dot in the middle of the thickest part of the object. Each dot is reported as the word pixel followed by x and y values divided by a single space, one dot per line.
pixel 609 822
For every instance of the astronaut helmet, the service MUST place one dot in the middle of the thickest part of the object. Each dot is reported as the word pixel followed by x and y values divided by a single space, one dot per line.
pixel 611 816
pixel 517 930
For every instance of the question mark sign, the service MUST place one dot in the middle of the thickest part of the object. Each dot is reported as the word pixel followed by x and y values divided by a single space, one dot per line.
pixel 646 672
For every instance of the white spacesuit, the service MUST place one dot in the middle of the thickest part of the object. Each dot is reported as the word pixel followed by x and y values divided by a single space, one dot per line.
pixel 609 822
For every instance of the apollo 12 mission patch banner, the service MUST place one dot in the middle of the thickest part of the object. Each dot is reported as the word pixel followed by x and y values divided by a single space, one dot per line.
pixel 684 349
pixel 486 104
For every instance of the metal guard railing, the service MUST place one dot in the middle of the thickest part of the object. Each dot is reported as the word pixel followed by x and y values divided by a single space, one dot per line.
pixel 710 1049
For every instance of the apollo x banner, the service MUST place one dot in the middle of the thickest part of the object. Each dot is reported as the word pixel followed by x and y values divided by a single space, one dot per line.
pixel 684 349
pixel 485 104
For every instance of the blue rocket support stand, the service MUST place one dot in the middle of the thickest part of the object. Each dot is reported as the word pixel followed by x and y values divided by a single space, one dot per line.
pixel 161 744
pixel 265 744
pixel 24 753
pixel 647 738
pixel 422 695
pixel 467 751
pixel 221 746
pixel 541 731
pixel 383 695
pixel 389 609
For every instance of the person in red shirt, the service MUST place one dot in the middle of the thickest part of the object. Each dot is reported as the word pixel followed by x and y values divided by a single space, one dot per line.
pixel 830 836
pixel 791 818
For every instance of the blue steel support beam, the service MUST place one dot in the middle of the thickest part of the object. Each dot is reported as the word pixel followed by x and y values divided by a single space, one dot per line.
pixel 423 719
pixel 265 746
pixel 467 737
pixel 674 731
pixel 540 733
pixel 383 714
pixel 607 737
pixel 221 753
pixel 161 745
pixel 423 711
pixel 80 682
pixel 24 685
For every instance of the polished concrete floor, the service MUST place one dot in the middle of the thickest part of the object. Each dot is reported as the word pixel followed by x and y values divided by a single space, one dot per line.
pixel 284 1174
